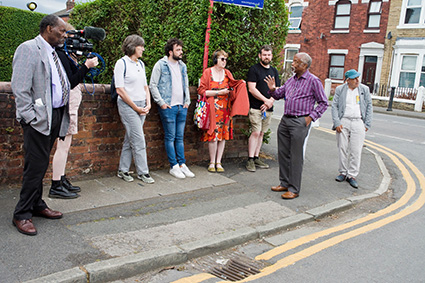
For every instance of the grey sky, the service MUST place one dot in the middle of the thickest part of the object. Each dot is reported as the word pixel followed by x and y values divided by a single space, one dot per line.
pixel 43 6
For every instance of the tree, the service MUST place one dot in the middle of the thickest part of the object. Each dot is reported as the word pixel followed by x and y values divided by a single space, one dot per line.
pixel 240 31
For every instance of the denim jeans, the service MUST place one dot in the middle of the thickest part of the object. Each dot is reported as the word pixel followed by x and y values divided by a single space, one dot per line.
pixel 174 120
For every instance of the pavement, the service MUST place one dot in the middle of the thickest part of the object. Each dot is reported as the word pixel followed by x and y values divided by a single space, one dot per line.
pixel 117 230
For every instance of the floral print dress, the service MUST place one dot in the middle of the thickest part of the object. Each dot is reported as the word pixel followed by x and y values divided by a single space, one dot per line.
pixel 223 122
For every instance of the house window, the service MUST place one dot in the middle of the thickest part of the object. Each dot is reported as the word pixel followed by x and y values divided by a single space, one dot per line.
pixel 289 57
pixel 374 14
pixel 413 12
pixel 342 14
pixel 336 66
pixel 407 71
pixel 422 82
pixel 295 15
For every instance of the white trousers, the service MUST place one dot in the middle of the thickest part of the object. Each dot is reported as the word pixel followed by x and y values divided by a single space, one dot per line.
pixel 350 143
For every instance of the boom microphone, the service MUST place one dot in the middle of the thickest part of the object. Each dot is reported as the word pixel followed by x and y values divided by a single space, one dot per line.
pixel 94 33
pixel 90 33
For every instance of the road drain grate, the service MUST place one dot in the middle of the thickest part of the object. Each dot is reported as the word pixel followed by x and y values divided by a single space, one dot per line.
pixel 234 270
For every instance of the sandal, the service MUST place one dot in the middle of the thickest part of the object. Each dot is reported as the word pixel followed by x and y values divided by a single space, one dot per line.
pixel 211 168
pixel 219 169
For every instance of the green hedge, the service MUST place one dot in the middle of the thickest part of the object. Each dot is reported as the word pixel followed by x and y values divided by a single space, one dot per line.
pixel 239 31
pixel 16 26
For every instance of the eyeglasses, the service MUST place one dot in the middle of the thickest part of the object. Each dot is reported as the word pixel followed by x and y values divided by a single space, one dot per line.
pixel 223 59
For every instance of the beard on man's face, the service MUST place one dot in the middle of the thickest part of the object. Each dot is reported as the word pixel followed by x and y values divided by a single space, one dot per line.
pixel 177 58
pixel 265 61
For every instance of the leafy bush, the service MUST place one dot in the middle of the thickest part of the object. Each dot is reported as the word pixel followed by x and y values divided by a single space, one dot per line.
pixel 237 30
pixel 16 26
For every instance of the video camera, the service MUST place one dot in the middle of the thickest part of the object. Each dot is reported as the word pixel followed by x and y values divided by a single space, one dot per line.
pixel 77 42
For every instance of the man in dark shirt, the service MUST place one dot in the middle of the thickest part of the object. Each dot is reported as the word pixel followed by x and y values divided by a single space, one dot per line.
pixel 261 105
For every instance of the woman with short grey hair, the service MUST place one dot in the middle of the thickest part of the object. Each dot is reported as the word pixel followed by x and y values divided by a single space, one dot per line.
pixel 134 103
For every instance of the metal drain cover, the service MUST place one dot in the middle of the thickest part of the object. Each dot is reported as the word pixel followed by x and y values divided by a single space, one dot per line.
pixel 234 270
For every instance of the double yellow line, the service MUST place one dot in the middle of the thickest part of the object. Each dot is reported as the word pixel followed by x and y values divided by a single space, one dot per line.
pixel 398 160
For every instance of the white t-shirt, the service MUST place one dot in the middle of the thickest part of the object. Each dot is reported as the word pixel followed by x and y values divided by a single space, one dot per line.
pixel 177 97
pixel 352 104
pixel 135 78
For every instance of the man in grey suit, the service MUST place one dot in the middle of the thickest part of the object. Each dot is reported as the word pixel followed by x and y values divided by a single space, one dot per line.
pixel 352 116
pixel 41 90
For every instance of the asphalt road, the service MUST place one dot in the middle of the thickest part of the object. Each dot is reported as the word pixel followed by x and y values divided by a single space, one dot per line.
pixel 388 248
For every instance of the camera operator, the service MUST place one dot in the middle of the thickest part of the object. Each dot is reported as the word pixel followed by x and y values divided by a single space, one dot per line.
pixel 61 187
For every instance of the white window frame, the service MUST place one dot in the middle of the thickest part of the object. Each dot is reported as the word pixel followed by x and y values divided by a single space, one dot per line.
pixel 406 47
pixel 404 8
pixel 348 2
pixel 413 71
pixel 290 47
pixel 296 2
pixel 370 14
pixel 337 52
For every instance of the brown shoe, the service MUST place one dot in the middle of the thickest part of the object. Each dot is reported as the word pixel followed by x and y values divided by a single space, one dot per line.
pixel 25 226
pixel 279 189
pixel 289 195
pixel 48 213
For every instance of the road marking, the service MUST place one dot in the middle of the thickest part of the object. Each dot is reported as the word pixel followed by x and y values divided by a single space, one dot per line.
pixel 303 240
pixel 398 122
pixel 291 259
pixel 393 137
pixel 371 135
pixel 195 278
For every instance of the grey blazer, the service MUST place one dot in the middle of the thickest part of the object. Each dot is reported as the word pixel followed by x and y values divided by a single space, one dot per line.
pixel 31 86
pixel 339 100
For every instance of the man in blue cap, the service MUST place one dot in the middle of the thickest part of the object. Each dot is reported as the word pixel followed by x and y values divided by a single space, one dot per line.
pixel 352 116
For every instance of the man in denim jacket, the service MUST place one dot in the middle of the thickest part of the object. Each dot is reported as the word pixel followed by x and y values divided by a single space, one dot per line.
pixel 170 90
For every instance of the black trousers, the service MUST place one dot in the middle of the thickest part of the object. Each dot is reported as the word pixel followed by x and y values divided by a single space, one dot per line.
pixel 37 149
pixel 291 135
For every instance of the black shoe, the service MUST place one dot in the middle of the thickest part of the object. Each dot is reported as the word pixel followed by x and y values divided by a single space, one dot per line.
pixel 340 178
pixel 67 184
pixel 353 182
pixel 61 192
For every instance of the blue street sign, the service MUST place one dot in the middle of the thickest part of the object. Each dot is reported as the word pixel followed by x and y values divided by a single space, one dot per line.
pixel 245 3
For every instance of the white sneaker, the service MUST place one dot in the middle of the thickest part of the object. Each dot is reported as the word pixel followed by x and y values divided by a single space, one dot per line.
pixel 125 176
pixel 176 172
pixel 146 178
pixel 186 171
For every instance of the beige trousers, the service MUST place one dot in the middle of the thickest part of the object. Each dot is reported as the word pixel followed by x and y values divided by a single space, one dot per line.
pixel 350 142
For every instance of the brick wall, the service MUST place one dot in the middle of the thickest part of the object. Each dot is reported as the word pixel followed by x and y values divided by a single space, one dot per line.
pixel 96 148
pixel 318 19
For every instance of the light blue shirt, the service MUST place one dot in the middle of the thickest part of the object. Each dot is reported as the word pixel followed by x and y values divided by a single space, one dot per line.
pixel 56 83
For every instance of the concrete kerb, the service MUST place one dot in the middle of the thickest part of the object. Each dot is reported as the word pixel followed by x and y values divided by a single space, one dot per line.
pixel 132 265
pixel 283 224
pixel 219 242
pixel 329 208
pixel 73 275
pixel 128 266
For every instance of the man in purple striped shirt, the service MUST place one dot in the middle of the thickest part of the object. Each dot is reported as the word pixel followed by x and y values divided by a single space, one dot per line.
pixel 300 92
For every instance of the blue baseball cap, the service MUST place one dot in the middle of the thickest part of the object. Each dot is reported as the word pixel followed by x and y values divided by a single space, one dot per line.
pixel 352 74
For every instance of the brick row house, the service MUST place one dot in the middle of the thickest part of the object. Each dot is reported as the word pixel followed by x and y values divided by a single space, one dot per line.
pixel 339 35
pixel 404 55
